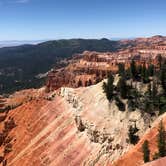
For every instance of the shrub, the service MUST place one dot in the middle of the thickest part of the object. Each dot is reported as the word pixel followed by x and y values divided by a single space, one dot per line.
pixel 133 138
pixel 120 104
pixel 156 156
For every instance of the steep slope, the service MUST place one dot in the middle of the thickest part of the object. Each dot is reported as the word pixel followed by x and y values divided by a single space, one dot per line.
pixel 159 162
pixel 68 127
pixel 90 67
pixel 46 134
pixel 135 156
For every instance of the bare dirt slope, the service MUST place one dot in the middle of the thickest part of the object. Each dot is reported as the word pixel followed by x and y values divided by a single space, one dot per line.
pixel 159 162
pixel 135 156
pixel 71 127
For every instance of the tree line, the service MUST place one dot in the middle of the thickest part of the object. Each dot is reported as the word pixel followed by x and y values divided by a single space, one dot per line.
pixel 155 78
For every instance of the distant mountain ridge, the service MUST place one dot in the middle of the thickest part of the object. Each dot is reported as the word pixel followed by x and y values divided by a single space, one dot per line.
pixel 19 65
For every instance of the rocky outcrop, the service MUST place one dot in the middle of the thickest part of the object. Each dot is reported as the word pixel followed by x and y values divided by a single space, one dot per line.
pixel 91 67
pixel 70 127
pixel 102 122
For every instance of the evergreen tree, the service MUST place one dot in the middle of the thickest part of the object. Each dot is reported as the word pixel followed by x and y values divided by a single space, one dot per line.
pixel 162 140
pixel 121 69
pixel 133 69
pixel 122 87
pixel 119 104
pixel 154 92
pixel 108 87
pixel 148 103
pixel 151 70
pixel 145 74
pixel 139 69
pixel 149 92
pixel 146 78
pixel 162 104
pixel 146 151
pixel 159 59
pixel 128 74
pixel 163 76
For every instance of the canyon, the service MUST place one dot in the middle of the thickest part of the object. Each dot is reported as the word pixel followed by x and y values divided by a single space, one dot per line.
pixel 69 121
pixel 91 67
pixel 73 127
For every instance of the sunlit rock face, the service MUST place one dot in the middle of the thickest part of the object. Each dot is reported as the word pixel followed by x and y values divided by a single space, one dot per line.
pixel 94 66
pixel 91 67
pixel 74 124
pixel 71 127
pixel 134 157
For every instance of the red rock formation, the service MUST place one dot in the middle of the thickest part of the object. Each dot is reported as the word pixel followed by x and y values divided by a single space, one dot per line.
pixel 45 134
pixel 42 129
pixel 92 67
pixel 135 156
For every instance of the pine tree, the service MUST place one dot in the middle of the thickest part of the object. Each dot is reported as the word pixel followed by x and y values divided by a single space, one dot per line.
pixel 162 140
pixel 149 92
pixel 159 59
pixel 146 78
pixel 148 99
pixel 128 74
pixel 122 87
pixel 145 74
pixel 146 151
pixel 154 93
pixel 163 76
pixel 139 69
pixel 151 70
pixel 121 69
pixel 133 69
pixel 108 87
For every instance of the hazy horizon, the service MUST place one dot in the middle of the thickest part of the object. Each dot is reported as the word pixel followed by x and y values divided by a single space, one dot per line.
pixel 10 43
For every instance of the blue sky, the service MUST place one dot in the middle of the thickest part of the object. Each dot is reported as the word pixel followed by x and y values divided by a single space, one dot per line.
pixel 56 19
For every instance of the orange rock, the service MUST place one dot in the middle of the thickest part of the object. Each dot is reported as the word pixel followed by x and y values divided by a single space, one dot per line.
pixel 135 156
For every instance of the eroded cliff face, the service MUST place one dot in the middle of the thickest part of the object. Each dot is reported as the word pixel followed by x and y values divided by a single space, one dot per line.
pixel 102 121
pixel 78 126
pixel 134 157
pixel 68 127
pixel 92 67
